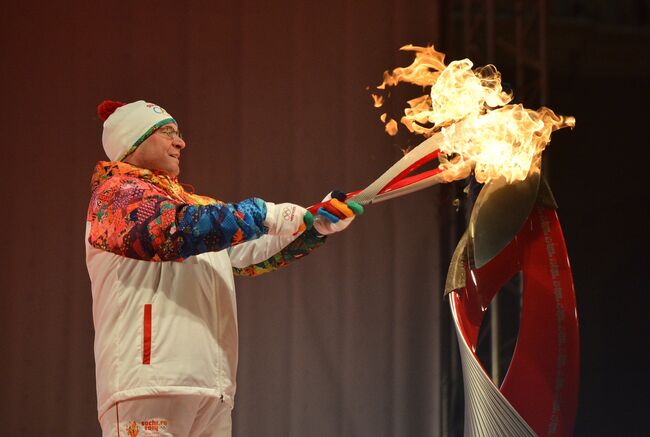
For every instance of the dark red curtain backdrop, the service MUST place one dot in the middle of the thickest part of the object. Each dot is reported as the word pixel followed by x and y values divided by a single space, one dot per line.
pixel 272 99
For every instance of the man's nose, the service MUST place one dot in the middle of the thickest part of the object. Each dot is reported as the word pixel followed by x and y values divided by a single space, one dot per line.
pixel 179 143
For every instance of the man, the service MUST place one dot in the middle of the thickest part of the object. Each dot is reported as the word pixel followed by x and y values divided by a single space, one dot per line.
pixel 161 262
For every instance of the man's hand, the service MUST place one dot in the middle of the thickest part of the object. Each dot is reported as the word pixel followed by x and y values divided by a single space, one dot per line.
pixel 336 215
pixel 286 219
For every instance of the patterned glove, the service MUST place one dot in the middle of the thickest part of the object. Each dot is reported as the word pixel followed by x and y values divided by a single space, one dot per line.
pixel 336 215
pixel 286 219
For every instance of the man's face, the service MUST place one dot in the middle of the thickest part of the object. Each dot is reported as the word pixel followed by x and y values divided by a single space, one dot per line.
pixel 161 151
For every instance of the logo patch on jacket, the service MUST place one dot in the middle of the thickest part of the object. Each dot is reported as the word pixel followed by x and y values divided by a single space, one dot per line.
pixel 148 428
pixel 154 424
pixel 133 429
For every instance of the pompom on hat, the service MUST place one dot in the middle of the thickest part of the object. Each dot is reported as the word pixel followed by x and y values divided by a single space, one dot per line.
pixel 127 125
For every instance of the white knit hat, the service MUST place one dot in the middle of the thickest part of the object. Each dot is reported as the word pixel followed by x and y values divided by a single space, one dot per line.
pixel 126 126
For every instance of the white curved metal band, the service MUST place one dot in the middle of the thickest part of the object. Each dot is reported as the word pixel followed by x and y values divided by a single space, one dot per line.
pixel 487 412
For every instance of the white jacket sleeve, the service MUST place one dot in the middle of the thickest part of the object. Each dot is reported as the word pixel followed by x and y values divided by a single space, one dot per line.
pixel 256 251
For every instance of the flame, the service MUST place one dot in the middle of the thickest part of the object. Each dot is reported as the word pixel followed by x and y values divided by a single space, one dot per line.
pixel 480 129
pixel 423 71
pixel 391 127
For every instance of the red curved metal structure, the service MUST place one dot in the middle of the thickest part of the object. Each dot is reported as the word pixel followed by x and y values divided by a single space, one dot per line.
pixel 540 391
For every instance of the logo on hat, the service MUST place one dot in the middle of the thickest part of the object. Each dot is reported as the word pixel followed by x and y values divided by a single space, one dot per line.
pixel 157 109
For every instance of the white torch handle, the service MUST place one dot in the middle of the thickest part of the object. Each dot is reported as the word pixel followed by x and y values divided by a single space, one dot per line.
pixel 370 193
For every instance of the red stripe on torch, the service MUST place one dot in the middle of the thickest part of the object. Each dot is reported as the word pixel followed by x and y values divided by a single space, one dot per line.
pixel 400 181
pixel 146 336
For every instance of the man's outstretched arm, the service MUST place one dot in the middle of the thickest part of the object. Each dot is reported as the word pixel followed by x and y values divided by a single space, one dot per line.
pixel 131 218
pixel 334 216
pixel 296 249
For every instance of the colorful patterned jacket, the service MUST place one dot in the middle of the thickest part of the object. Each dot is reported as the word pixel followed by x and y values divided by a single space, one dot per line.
pixel 146 215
